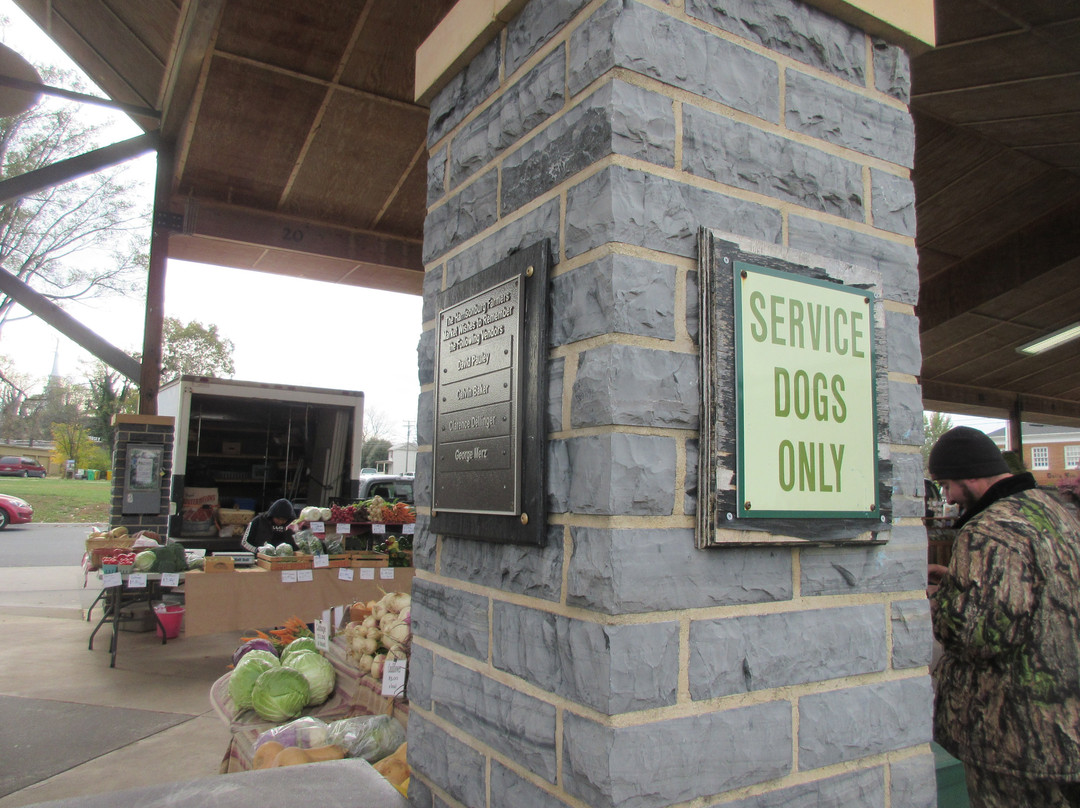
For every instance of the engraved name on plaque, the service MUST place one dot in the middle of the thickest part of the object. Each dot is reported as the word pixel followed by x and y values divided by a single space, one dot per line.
pixel 477 446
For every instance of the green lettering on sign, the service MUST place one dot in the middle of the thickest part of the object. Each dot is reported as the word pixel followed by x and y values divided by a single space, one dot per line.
pixel 807 443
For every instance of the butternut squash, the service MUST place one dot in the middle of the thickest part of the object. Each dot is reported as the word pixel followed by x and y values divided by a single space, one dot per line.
pixel 265 754
pixel 328 752
pixel 291 756
pixel 395 770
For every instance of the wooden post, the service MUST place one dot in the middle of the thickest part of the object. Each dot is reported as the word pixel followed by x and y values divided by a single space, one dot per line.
pixel 1016 440
pixel 150 376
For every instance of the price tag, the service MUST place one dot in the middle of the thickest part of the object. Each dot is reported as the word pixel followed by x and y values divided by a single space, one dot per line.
pixel 137 580
pixel 386 573
pixel 339 617
pixel 322 635
pixel 170 579
pixel 305 575
pixel 393 678
pixel 378 527
pixel 367 573
pixel 318 527
pixel 111 579
pixel 344 528
pixel 408 528
pixel 320 561
pixel 345 573
pixel 288 576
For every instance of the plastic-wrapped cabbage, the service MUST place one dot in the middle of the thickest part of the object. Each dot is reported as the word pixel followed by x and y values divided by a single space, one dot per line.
pixel 267 550
pixel 371 737
pixel 299 644
pixel 305 733
pixel 334 546
pixel 279 693
pixel 284 549
pixel 242 679
pixel 319 673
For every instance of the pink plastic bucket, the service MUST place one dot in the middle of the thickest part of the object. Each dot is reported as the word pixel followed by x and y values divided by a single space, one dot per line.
pixel 171 617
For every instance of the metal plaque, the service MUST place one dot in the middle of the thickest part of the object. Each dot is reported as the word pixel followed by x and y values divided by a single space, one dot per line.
pixel 490 393
pixel 477 449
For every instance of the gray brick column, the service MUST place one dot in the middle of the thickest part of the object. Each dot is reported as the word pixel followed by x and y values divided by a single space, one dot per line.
pixel 152 429
pixel 617 665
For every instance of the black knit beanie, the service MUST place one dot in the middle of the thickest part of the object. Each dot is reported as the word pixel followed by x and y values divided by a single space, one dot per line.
pixel 964 453
pixel 281 509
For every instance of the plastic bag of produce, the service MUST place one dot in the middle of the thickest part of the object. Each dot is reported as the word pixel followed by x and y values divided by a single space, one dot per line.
pixel 371 737
pixel 305 733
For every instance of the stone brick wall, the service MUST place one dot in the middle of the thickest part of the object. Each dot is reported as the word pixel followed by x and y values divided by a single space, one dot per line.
pixel 151 429
pixel 618 665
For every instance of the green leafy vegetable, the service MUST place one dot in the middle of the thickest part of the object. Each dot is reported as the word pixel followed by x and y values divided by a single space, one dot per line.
pixel 242 679
pixel 318 671
pixel 280 694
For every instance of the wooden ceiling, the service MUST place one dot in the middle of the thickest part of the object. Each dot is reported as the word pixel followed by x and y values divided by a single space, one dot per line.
pixel 997 189
pixel 299 151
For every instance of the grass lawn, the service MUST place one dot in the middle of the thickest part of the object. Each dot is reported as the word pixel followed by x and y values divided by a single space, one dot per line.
pixel 56 500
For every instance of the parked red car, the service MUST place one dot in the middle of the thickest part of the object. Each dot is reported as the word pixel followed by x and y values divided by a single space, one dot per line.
pixel 14 511
pixel 12 466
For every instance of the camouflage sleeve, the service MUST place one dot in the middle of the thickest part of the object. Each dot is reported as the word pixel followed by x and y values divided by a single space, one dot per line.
pixel 984 604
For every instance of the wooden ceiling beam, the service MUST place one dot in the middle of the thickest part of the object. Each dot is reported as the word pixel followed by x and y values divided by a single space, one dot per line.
pixel 194 38
pixel 999 268
pixel 990 402
pixel 279 232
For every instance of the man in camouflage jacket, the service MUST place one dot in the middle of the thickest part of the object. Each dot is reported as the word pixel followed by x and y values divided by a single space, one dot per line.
pixel 1007 614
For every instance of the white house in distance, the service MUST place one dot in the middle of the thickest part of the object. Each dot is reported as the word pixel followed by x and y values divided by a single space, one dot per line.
pixel 403 458
pixel 1051 453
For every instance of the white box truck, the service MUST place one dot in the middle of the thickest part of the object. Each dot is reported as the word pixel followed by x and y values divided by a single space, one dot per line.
pixel 239 446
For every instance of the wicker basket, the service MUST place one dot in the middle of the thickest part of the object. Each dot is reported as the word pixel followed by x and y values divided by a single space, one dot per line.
pixel 101 544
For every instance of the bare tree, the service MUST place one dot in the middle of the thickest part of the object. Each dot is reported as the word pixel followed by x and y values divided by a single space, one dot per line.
pixel 80 239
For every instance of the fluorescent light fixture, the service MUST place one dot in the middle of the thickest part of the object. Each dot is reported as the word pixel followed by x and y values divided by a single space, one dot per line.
pixel 1043 344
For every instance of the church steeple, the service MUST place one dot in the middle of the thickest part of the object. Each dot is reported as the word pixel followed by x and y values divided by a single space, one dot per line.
pixel 55 374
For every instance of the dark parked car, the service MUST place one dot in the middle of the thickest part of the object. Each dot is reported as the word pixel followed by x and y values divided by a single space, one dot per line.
pixel 11 466
pixel 14 511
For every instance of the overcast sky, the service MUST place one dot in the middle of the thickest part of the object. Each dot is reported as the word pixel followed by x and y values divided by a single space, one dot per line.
pixel 285 330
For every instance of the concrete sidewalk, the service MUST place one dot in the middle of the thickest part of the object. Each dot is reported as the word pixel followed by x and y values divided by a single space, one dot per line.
pixel 73 726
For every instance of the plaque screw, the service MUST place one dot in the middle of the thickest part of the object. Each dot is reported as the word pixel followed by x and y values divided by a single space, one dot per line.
pixel 883 518
pixel 727 260
pixel 525 516
pixel 743 274
pixel 873 507
pixel 730 517
pixel 746 505
pixel 529 272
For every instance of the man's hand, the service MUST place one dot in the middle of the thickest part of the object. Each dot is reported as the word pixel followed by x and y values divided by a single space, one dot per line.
pixel 934 574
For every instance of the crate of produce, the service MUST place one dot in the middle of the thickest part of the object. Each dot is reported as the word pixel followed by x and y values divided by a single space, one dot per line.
pixel 293 562
pixel 365 558
pixel 340 560
pixel 234 516
pixel 94 556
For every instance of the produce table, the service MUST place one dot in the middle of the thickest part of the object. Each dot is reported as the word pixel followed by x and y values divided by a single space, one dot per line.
pixel 257 598
pixel 115 599
pixel 353 695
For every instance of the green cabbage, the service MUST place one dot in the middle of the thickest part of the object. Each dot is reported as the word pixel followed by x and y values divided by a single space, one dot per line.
pixel 318 671
pixel 299 644
pixel 145 560
pixel 280 694
pixel 259 653
pixel 285 549
pixel 242 679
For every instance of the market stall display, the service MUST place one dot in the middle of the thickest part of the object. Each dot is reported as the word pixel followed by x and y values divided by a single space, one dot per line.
pixel 319 705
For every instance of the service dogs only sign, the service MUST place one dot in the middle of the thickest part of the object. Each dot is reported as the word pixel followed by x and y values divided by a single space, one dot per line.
pixel 804 355
pixel 792 392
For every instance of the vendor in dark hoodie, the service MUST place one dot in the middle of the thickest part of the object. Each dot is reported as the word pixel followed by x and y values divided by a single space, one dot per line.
pixel 270 527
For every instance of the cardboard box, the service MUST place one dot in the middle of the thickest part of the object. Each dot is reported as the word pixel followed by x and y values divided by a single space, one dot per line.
pixel 218 564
